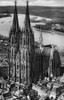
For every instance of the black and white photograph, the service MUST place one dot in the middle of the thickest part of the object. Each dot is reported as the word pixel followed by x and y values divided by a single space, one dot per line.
pixel 31 49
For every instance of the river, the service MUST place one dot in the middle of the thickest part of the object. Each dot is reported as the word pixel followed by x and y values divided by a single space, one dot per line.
pixel 55 38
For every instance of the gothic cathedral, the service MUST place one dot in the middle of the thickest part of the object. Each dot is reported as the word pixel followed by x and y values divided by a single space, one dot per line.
pixel 21 49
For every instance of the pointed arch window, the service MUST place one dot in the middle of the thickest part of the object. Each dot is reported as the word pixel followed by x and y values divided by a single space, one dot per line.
pixel 24 41
pixel 12 39
pixel 12 52
pixel 23 55
pixel 28 40
pixel 17 66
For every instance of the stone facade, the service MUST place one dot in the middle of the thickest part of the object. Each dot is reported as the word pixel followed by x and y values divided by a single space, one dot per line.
pixel 21 49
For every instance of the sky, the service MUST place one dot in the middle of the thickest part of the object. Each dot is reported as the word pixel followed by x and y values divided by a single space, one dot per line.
pixel 33 2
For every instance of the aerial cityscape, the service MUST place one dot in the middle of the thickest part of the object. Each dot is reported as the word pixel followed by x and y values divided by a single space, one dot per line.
pixel 31 51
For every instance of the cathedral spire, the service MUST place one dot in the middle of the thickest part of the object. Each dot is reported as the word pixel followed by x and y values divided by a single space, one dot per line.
pixel 15 18
pixel 27 18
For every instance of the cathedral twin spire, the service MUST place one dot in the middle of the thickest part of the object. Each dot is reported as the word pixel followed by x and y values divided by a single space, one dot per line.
pixel 15 30
pixel 15 18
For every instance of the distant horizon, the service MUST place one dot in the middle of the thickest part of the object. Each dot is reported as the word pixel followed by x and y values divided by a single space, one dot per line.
pixel 32 6
pixel 50 3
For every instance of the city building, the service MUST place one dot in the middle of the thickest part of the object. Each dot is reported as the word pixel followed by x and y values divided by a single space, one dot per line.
pixel 21 49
